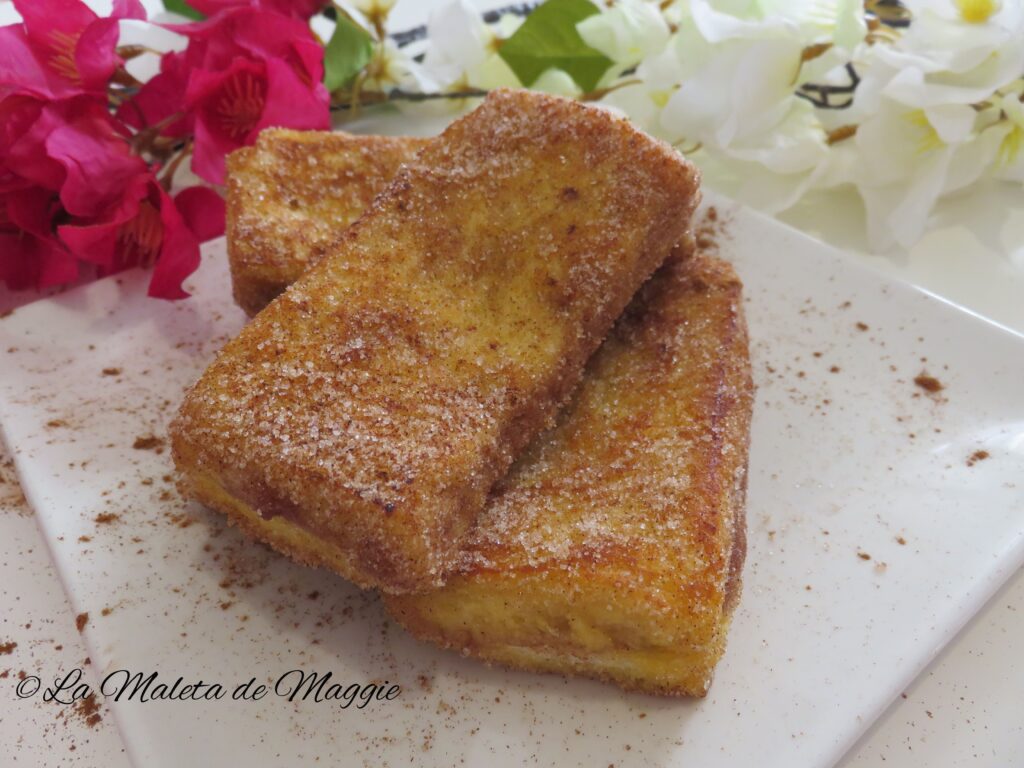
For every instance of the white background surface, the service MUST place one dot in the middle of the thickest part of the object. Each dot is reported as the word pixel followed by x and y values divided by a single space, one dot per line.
pixel 965 710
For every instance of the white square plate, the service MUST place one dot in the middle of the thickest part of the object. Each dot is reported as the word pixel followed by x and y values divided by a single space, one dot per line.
pixel 874 535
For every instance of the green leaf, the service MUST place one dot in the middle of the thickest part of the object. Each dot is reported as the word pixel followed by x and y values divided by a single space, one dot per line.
pixel 346 53
pixel 182 8
pixel 548 38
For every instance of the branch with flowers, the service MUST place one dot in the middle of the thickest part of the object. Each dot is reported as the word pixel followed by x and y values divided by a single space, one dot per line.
pixel 906 101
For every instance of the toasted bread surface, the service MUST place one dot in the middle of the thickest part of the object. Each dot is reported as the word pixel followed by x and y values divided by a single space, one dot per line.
pixel 614 547
pixel 374 404
pixel 292 195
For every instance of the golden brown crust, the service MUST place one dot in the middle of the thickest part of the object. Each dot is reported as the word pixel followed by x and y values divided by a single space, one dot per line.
pixel 375 402
pixel 291 196
pixel 615 546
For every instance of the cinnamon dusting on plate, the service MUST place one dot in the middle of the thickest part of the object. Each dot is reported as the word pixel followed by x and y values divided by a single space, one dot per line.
pixel 928 383
pixel 977 456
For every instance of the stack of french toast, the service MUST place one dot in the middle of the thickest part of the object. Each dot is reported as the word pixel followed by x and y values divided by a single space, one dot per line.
pixel 489 375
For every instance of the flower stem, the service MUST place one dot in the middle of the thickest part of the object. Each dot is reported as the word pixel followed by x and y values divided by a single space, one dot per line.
pixel 167 177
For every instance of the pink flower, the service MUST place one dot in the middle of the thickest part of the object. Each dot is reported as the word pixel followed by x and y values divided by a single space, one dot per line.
pixel 30 254
pixel 245 69
pixel 301 9
pixel 73 192
pixel 232 106
pixel 161 101
pixel 150 231
pixel 62 47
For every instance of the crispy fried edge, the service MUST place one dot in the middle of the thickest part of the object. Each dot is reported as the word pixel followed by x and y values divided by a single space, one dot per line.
pixel 693 676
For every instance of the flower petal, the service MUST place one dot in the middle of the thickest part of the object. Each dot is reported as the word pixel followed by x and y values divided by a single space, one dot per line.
pixel 100 169
pixel 291 103
pixel 179 252
pixel 203 211
pixel 29 262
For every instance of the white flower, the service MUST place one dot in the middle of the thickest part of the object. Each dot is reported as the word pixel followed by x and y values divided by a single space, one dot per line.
pixel 391 68
pixel 464 50
pixel 774 170
pixel 1010 162
pixel 840 22
pixel 940 59
pixel 374 8
pixel 629 31
pixel 556 82
pixel 733 89
pixel 909 158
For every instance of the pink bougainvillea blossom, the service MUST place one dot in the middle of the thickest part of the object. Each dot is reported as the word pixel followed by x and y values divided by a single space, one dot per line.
pixel 62 47
pixel 31 256
pixel 145 231
pixel 73 192
pixel 245 69
pixel 302 9
pixel 84 189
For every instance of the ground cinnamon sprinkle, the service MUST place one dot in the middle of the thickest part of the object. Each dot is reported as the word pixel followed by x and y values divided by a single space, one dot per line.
pixel 928 383
pixel 707 230
pixel 105 517
pixel 111 371
pixel 8 647
pixel 88 709
pixel 81 620
pixel 977 456
pixel 148 443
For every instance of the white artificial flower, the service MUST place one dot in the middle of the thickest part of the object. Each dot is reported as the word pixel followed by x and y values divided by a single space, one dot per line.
pixel 464 50
pixel 942 59
pixel 1010 163
pixel 720 21
pixel 391 68
pixel 643 95
pixel 461 42
pixel 910 158
pixel 629 31
pixel 840 22
pixel 734 89
pixel 773 171
pixel 374 8
pixel 556 82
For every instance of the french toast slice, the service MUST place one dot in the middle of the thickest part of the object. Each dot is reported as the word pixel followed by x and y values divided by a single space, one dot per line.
pixel 359 421
pixel 614 547
pixel 292 194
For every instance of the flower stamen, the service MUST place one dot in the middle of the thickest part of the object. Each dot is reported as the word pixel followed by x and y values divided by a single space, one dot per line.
pixel 139 240
pixel 240 105
pixel 977 11
pixel 930 138
pixel 62 58
pixel 1013 142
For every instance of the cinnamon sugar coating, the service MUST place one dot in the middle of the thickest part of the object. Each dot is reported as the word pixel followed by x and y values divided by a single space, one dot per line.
pixel 291 196
pixel 614 547
pixel 365 414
